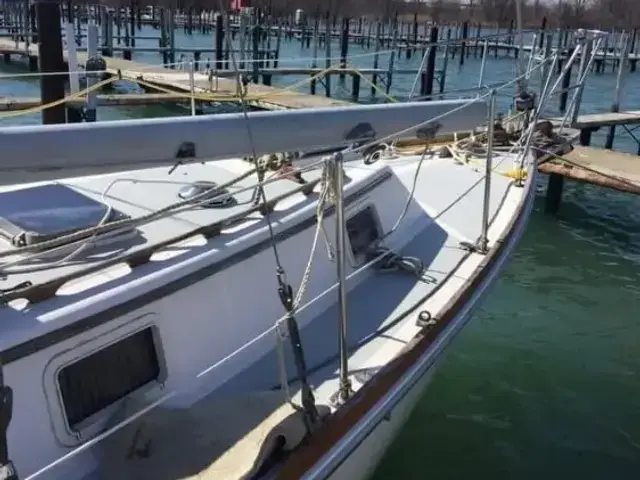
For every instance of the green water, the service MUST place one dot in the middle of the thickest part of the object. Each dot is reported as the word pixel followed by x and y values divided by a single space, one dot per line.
pixel 544 382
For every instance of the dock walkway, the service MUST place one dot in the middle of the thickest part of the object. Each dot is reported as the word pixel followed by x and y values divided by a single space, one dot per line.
pixel 268 97
pixel 12 104
pixel 606 168
pixel 594 121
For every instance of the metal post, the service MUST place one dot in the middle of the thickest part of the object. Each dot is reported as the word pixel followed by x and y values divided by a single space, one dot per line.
pixel 615 107
pixel 485 50
pixel 534 45
pixel 483 246
pixel 420 70
pixel 582 74
pixel 72 59
pixel 92 52
pixel 192 86
pixel 345 385
pixel 624 55
pixel 548 48
pixel 522 83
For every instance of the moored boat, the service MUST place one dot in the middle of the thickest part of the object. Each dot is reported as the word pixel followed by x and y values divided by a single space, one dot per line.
pixel 172 310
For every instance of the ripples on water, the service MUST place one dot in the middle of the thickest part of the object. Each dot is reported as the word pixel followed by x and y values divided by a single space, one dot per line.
pixel 544 381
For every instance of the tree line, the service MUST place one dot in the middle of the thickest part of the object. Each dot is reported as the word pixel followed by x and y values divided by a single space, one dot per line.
pixel 601 14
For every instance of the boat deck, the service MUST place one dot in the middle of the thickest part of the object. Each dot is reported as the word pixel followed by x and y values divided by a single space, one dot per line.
pixel 142 192
pixel 383 307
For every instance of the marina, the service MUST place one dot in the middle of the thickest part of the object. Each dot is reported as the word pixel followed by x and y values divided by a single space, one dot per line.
pixel 464 213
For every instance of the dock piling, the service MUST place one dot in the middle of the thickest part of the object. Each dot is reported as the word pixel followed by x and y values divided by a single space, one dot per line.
pixel 51 60
pixel 90 113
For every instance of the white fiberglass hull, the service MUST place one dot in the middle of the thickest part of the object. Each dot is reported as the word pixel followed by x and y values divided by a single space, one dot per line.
pixel 367 452
pixel 361 464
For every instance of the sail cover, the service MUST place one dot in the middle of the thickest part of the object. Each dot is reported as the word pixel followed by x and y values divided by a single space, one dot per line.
pixel 33 153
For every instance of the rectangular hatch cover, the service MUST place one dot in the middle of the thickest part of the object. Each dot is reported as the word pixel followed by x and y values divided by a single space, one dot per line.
pixel 33 215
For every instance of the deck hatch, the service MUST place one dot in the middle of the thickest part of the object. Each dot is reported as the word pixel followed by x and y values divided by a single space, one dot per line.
pixel 33 215
pixel 96 381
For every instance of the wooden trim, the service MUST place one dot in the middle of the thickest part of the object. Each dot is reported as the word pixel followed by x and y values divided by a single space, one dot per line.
pixel 346 418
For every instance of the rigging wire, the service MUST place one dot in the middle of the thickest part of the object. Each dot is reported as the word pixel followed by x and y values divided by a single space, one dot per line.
pixel 285 290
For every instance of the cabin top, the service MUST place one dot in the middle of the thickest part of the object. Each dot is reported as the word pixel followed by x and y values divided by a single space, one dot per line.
pixel 35 217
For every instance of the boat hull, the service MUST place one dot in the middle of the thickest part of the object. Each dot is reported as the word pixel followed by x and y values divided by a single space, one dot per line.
pixel 365 456
pixel 362 463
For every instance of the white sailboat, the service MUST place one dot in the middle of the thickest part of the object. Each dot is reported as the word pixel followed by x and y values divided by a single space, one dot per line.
pixel 169 312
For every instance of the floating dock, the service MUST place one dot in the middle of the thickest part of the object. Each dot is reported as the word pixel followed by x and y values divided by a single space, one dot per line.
pixel 9 104
pixel 262 96
pixel 606 168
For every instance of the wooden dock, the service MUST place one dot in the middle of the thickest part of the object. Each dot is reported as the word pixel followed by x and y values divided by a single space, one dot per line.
pixel 9 104
pixel 587 124
pixel 597 120
pixel 606 168
pixel 596 166
pixel 267 97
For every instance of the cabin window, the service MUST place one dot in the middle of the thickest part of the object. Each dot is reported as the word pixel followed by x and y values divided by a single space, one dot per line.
pixel 363 231
pixel 95 382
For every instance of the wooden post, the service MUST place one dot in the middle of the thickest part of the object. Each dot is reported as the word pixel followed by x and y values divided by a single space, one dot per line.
pixel 92 51
pixel 171 25
pixel 34 28
pixel 314 61
pixel 51 60
pixel 132 22
pixel 344 45
pixel 355 91
pixel 428 75
pixel 219 41
pixel 554 193
pixel 585 137
pixel 566 82
pixel 376 57
pixel 463 46
pixel 543 29
pixel 445 63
